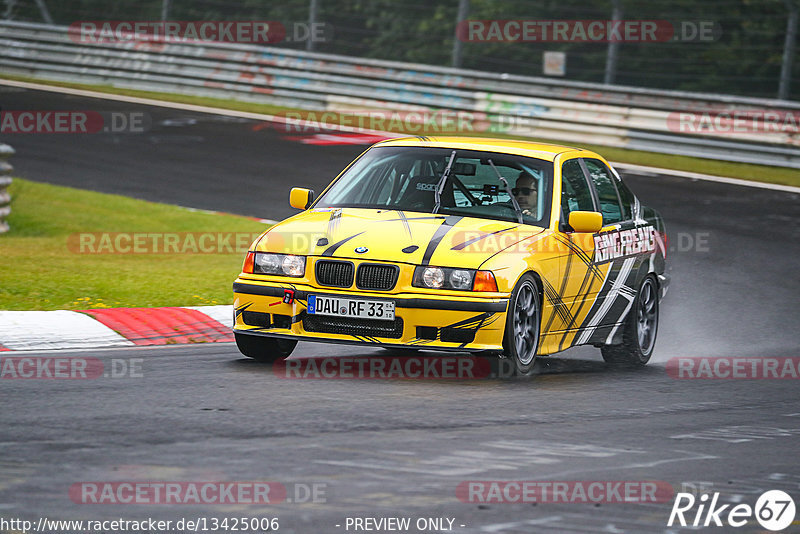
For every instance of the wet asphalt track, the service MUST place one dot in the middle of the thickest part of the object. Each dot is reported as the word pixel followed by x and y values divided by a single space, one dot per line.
pixel 400 448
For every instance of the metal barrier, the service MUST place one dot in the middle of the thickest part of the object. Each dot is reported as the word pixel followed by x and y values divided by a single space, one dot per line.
pixel 692 124
pixel 5 180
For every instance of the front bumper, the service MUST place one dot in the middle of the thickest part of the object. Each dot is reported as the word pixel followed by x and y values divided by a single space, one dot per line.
pixel 421 321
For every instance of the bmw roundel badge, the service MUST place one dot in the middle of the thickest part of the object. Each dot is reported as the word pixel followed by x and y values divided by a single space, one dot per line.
pixel 361 250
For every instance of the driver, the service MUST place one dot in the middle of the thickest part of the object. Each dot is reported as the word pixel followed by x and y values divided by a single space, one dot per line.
pixel 525 192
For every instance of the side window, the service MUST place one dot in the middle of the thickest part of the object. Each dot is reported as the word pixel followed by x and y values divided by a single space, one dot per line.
pixel 627 198
pixel 575 192
pixel 606 191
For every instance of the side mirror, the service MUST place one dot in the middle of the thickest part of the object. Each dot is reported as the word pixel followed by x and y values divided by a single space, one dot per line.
pixel 586 222
pixel 301 198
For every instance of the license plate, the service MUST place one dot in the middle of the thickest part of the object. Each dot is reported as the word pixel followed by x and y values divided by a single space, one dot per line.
pixel 346 307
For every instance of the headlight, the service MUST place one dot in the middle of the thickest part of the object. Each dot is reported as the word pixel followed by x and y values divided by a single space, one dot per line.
pixel 279 264
pixel 443 278
pixel 433 277
pixel 294 265
pixel 461 279
pixel 268 263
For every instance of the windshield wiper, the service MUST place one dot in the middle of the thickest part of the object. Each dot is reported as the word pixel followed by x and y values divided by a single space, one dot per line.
pixel 508 190
pixel 437 193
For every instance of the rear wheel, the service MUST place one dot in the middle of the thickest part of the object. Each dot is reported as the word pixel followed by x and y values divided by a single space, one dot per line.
pixel 641 327
pixel 264 349
pixel 522 326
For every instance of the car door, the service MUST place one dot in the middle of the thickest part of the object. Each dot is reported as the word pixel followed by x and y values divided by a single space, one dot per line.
pixel 573 295
pixel 618 254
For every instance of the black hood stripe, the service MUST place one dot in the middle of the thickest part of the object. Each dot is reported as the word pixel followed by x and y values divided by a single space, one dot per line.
pixel 448 223
pixel 331 249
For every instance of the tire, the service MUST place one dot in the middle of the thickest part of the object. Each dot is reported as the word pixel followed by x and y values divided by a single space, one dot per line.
pixel 523 326
pixel 264 349
pixel 641 327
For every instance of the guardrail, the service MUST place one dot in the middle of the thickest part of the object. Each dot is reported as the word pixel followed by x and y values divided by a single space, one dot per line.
pixel 5 180
pixel 580 113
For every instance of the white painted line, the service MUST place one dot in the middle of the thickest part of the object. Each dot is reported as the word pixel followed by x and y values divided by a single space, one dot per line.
pixel 222 314
pixel 282 120
pixel 706 177
pixel 61 329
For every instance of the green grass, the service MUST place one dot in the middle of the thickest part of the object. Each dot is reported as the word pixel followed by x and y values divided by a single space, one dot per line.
pixel 745 171
pixel 42 267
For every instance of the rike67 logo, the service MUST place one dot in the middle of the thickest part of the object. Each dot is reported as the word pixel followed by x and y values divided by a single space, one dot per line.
pixel 774 510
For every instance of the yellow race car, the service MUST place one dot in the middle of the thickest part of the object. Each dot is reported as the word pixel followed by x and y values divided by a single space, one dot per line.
pixel 503 248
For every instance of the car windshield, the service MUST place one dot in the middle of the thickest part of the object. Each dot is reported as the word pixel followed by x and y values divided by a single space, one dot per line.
pixel 405 178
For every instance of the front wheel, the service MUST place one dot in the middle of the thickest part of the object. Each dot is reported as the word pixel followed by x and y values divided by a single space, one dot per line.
pixel 522 326
pixel 641 327
pixel 264 349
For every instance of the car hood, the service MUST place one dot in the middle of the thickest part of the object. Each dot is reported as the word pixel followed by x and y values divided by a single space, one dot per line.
pixel 394 236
